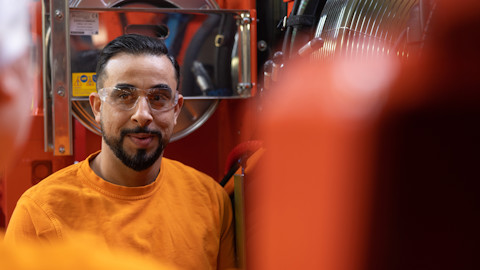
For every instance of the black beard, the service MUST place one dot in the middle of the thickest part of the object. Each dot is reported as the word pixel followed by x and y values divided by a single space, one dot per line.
pixel 140 161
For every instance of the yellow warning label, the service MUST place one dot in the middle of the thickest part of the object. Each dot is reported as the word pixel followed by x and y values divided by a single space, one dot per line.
pixel 83 83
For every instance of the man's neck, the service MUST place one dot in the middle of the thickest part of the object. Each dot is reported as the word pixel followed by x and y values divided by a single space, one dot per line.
pixel 107 166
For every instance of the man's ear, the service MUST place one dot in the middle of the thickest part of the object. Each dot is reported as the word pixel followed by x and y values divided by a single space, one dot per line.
pixel 178 107
pixel 96 105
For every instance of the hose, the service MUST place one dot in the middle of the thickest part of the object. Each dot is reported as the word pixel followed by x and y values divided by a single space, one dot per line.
pixel 238 156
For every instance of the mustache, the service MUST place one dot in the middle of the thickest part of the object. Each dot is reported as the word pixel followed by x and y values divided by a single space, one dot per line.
pixel 143 130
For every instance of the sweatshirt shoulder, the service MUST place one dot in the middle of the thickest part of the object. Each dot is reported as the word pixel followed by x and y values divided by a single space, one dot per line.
pixel 190 175
pixel 61 179
pixel 173 166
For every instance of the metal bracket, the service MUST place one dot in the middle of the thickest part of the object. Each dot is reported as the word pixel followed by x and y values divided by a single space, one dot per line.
pixel 244 20
pixel 60 79
pixel 244 88
pixel 244 27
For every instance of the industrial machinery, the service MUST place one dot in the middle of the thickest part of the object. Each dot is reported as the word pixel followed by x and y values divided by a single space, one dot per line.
pixel 215 60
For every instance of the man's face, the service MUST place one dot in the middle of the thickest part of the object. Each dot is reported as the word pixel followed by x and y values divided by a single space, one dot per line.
pixel 138 136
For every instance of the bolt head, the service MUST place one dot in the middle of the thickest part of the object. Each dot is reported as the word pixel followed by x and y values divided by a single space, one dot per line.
pixel 262 45
pixel 58 14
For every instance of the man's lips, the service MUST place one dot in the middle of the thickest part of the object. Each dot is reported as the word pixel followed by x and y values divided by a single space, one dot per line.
pixel 141 140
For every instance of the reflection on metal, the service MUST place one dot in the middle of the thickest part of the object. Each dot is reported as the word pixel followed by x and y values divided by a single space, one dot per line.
pixel 187 121
pixel 47 93
pixel 196 110
pixel 239 203
pixel 364 28
pixel 158 30
pixel 234 65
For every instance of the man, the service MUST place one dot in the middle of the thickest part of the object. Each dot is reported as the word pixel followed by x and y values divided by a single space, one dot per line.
pixel 128 194
pixel 16 84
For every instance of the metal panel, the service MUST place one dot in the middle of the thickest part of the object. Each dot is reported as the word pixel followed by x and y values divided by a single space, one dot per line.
pixel 195 111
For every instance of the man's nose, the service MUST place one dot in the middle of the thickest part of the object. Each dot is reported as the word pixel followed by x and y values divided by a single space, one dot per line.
pixel 142 112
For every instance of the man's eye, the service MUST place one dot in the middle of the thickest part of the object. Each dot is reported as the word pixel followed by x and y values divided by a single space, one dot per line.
pixel 159 95
pixel 122 94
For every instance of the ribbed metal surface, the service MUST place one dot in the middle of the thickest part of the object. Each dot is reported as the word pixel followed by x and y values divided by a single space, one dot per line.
pixel 363 28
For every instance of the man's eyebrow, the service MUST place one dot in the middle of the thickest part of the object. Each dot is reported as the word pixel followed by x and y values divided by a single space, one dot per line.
pixel 124 85
pixel 157 86
pixel 162 86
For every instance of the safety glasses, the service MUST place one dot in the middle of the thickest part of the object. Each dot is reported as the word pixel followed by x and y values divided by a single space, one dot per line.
pixel 126 98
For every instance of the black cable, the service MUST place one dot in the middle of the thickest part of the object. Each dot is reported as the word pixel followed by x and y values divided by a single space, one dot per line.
pixel 301 34
pixel 286 39
pixel 230 173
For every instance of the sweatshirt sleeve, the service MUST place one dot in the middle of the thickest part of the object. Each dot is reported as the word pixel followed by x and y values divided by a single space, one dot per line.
pixel 29 222
pixel 226 256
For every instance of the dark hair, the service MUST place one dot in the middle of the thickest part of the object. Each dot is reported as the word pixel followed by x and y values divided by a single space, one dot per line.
pixel 133 44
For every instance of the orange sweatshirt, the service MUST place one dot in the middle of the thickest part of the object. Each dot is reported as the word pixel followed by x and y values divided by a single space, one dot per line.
pixel 184 217
pixel 81 253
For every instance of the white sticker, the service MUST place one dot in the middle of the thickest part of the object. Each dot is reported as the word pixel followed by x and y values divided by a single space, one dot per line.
pixel 83 23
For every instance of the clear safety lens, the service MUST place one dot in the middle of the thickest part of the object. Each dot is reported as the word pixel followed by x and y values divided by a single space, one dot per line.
pixel 126 98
